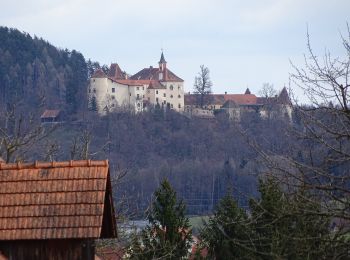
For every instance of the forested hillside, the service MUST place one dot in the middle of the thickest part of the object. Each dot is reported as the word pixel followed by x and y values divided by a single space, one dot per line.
pixel 201 158
pixel 38 74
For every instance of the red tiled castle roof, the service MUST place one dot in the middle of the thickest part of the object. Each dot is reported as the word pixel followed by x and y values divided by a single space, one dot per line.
pixel 153 74
pixel 99 74
pixel 115 72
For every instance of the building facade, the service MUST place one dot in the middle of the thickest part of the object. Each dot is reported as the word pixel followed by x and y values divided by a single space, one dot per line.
pixel 150 87
pixel 235 105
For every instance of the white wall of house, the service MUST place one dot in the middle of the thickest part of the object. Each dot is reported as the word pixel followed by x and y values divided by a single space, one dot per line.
pixel 110 95
pixel 175 95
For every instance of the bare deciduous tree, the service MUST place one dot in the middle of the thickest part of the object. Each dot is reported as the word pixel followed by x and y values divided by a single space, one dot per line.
pixel 267 91
pixel 19 132
pixel 202 84
pixel 318 162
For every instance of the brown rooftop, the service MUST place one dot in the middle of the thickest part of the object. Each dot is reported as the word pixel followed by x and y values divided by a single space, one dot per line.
pixel 153 74
pixel 56 200
pixel 115 72
pixel 50 113
pixel 99 74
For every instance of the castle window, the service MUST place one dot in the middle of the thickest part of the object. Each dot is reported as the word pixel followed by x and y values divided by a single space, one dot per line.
pixel 157 100
pixel 171 105
pixel 89 90
pixel 179 96
pixel 179 106
pixel 113 97
pixel 148 91
pixel 137 96
pixel 171 87
pixel 94 90
pixel 93 80
pixel 171 96
pixel 143 88
pixel 178 87
pixel 113 90
pixel 137 88
pixel 164 95
pixel 156 91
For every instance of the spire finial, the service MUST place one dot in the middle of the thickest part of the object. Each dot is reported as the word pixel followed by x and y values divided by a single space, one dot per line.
pixel 162 59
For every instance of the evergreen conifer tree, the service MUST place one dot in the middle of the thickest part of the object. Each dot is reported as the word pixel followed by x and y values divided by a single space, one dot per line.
pixel 283 227
pixel 93 104
pixel 227 234
pixel 168 236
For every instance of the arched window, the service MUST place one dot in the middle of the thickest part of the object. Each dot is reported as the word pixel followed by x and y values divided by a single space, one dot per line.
pixel 171 87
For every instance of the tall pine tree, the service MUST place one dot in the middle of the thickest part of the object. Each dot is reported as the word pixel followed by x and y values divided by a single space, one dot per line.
pixel 168 236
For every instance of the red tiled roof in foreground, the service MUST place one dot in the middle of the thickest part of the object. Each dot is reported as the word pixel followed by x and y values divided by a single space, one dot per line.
pixel 56 200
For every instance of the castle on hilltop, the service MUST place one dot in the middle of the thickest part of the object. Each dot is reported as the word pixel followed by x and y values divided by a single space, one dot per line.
pixel 160 87
pixel 149 87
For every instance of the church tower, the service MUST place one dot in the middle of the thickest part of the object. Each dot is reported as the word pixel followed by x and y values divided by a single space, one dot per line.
pixel 162 68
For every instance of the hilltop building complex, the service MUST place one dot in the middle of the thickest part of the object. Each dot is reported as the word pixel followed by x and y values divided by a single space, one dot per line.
pixel 149 87
pixel 160 87
pixel 235 105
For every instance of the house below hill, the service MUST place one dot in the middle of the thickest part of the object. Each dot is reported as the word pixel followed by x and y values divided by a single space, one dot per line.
pixel 51 116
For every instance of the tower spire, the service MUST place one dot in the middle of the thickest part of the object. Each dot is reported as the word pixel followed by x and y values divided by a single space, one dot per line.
pixel 163 73
pixel 162 59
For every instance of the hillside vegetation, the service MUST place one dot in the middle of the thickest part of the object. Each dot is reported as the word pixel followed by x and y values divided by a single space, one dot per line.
pixel 34 71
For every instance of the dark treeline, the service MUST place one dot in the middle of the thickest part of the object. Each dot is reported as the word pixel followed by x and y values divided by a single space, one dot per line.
pixel 38 74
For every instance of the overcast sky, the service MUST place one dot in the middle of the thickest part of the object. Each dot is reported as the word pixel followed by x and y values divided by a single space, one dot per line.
pixel 243 43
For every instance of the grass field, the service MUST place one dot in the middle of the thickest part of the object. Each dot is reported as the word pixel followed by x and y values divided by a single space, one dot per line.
pixel 197 222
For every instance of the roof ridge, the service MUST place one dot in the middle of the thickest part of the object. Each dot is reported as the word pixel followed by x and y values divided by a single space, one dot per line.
pixel 53 164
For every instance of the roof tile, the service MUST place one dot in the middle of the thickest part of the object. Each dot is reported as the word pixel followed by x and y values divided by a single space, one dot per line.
pixel 53 200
